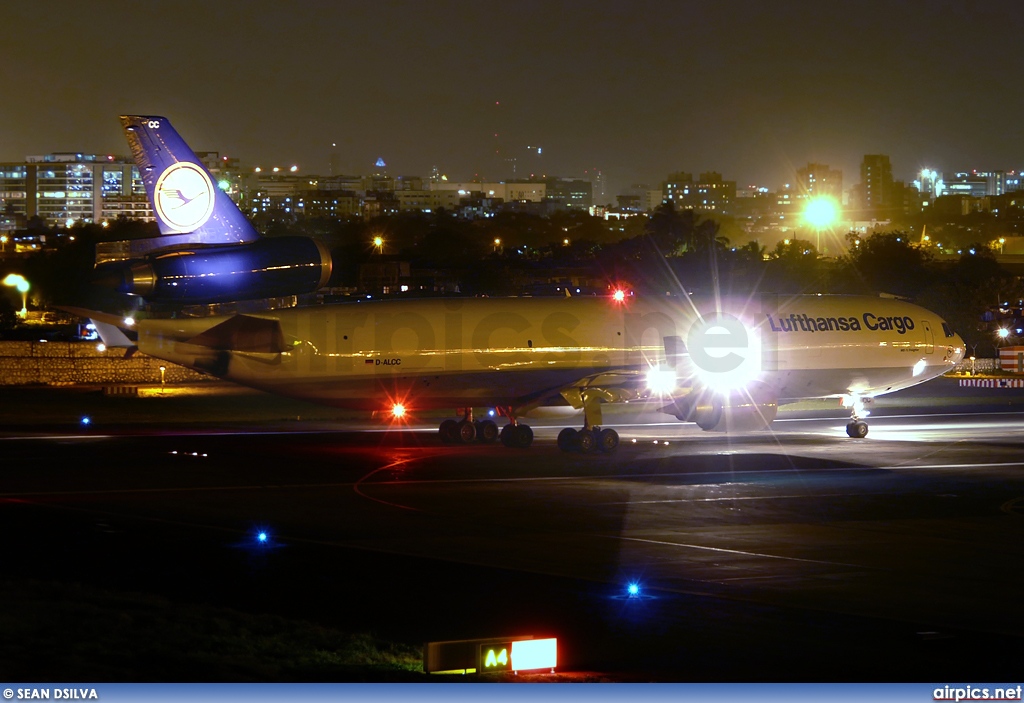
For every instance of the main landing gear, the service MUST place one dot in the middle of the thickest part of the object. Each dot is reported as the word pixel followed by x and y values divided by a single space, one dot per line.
pixel 468 430
pixel 591 437
pixel 588 439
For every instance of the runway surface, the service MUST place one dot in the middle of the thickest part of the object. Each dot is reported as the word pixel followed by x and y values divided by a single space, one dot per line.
pixel 795 555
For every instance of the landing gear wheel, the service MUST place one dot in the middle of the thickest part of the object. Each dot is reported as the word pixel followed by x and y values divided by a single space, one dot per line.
pixel 449 431
pixel 506 434
pixel 567 439
pixel 608 440
pixel 523 436
pixel 487 431
pixel 586 441
pixel 857 429
pixel 520 436
pixel 466 431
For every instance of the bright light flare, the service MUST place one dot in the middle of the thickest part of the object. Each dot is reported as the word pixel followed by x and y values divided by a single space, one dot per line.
pixel 262 537
pixel 1003 333
pixel 726 355
pixel 633 589
pixel 857 404
pixel 619 295
pixel 398 411
pixel 661 381
pixel 821 212
pixel 15 281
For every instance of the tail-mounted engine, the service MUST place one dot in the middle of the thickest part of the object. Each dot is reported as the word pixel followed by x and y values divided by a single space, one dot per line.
pixel 266 268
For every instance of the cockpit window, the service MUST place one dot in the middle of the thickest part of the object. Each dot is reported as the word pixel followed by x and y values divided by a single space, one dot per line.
pixel 946 329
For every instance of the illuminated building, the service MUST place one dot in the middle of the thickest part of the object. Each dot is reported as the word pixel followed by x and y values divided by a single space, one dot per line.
pixel 930 184
pixel 877 195
pixel 978 184
pixel 709 193
pixel 62 188
pixel 815 180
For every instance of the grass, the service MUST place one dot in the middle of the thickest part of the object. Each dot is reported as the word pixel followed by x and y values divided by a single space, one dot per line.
pixel 74 632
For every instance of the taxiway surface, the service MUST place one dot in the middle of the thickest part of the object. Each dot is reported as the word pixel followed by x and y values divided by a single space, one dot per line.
pixel 797 554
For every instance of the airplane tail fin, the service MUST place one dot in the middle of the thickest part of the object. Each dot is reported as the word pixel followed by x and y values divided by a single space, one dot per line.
pixel 190 208
pixel 207 250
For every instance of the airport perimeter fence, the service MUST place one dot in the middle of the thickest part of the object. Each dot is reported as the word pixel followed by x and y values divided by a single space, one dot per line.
pixel 71 363
pixel 967 367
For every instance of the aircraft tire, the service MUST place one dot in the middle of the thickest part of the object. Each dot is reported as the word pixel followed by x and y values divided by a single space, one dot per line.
pixel 523 436
pixel 506 434
pixel 449 431
pixel 567 439
pixel 858 429
pixel 465 431
pixel 608 440
pixel 487 431
pixel 586 441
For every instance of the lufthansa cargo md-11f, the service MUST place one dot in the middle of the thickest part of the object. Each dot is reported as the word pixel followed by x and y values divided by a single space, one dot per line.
pixel 725 364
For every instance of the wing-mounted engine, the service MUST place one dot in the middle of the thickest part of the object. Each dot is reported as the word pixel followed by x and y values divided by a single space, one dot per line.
pixel 751 408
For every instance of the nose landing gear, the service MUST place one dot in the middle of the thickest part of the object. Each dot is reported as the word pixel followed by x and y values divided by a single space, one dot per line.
pixel 857 428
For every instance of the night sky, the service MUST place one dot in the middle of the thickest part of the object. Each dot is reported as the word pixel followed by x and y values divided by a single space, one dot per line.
pixel 635 89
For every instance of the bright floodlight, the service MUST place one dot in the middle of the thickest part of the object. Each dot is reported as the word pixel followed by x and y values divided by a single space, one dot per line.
pixel 1003 333
pixel 821 212
pixel 661 381
pixel 15 281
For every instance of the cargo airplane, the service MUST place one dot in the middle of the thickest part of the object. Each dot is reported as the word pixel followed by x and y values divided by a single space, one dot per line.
pixel 723 363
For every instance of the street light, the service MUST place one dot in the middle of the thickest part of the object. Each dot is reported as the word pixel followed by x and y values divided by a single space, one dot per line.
pixel 163 370
pixel 378 242
pixel 821 212
pixel 15 281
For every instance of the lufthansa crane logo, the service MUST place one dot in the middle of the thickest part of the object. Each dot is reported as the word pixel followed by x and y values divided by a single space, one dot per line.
pixel 184 197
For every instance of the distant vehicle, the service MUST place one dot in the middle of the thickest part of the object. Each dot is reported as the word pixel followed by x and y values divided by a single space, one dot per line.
pixel 725 364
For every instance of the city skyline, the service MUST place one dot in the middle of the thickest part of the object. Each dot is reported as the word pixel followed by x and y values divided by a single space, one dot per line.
pixel 639 91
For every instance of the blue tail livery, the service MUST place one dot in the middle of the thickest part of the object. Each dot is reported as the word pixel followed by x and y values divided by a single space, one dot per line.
pixel 189 207
pixel 207 250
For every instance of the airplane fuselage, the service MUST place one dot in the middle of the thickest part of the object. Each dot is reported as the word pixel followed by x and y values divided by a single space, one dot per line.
pixel 453 352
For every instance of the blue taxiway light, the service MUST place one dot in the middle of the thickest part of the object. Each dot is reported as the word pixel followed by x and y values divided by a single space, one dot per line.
pixel 262 537
pixel 86 420
pixel 633 589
